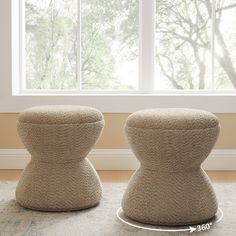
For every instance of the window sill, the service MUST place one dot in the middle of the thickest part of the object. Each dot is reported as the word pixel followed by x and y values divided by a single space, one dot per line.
pixel 127 94
pixel 124 103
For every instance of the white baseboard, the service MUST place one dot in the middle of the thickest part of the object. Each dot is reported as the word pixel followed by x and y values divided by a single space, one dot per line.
pixel 118 159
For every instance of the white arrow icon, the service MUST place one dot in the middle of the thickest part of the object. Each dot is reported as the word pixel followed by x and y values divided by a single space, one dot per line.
pixel 192 229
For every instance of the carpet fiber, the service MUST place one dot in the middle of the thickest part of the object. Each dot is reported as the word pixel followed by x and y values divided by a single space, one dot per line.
pixel 98 221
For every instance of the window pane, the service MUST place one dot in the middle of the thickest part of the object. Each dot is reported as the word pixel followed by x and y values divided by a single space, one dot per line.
pixel 225 58
pixel 183 50
pixel 109 44
pixel 50 44
pixel 109 41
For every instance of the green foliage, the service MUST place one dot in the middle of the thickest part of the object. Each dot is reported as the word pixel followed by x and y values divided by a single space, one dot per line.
pixel 109 36
pixel 50 48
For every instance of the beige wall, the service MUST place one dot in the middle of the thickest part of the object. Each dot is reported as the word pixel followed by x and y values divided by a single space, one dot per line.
pixel 113 136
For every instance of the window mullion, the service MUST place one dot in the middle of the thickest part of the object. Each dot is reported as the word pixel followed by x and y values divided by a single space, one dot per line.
pixel 147 45
pixel 213 18
pixel 78 48
pixel 22 39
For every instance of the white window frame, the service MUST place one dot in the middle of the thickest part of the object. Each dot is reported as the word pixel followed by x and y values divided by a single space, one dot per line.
pixel 114 102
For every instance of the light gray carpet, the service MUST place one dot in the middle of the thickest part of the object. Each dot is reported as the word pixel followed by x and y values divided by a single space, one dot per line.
pixel 98 221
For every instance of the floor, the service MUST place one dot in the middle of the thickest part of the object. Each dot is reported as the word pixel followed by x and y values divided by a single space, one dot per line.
pixel 123 176
pixel 101 220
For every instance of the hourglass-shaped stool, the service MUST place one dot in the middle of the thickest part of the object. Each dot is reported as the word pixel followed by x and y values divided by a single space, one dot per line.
pixel 59 177
pixel 170 187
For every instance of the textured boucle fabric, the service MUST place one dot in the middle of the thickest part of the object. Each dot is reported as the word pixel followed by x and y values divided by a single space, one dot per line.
pixel 59 177
pixel 59 187
pixel 60 114
pixel 172 118
pixel 170 187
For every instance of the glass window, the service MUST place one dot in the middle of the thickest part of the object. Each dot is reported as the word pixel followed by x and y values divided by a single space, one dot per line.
pixel 81 45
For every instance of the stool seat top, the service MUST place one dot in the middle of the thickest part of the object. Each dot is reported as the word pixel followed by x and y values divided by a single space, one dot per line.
pixel 172 119
pixel 60 114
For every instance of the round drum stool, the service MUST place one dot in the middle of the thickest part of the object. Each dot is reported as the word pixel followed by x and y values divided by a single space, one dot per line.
pixel 59 177
pixel 170 187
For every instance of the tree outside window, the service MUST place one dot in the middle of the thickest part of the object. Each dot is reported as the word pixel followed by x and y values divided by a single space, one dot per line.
pixel 94 45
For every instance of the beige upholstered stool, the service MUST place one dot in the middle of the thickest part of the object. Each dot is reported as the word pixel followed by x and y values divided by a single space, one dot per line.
pixel 59 177
pixel 170 187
